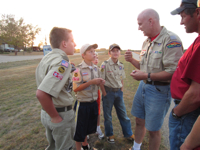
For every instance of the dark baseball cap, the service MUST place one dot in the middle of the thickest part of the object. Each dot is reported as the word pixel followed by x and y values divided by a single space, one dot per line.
pixel 186 4
pixel 113 46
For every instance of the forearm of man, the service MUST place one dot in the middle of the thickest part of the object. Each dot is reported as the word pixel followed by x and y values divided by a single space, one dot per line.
pixel 47 104
pixel 83 86
pixel 135 63
pixel 190 100
pixel 161 76
pixel 103 90
pixel 193 139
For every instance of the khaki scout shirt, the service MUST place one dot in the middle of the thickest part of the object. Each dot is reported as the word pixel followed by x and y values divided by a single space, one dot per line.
pixel 83 74
pixel 161 54
pixel 112 73
pixel 53 76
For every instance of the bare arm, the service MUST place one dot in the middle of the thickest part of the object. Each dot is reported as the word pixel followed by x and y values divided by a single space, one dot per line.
pixel 160 76
pixel 190 100
pixel 193 139
pixel 103 89
pixel 95 81
pixel 128 57
pixel 47 104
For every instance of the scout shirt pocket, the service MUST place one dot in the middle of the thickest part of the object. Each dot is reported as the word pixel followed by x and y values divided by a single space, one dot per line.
pixel 155 61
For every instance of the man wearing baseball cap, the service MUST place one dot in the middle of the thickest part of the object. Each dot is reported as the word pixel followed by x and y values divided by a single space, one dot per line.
pixel 185 84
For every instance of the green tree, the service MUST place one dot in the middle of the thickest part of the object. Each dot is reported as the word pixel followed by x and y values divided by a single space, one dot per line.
pixel 16 32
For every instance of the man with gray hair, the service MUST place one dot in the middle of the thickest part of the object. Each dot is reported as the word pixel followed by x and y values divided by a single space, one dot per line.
pixel 158 60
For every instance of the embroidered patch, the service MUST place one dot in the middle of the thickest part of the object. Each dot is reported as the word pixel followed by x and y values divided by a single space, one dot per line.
pixel 142 52
pixel 76 74
pixel 102 66
pixel 173 37
pixel 174 44
pixel 61 69
pixel 159 44
pixel 102 70
pixel 57 75
pixel 120 67
pixel 109 71
pixel 84 73
pixel 157 52
pixel 95 69
pixel 75 79
pixel 65 63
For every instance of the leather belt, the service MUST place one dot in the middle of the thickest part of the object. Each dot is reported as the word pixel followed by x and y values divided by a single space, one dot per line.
pixel 63 109
pixel 156 82
pixel 177 101
pixel 111 89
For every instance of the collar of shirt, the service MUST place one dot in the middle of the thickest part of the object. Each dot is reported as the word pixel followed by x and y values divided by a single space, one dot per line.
pixel 158 39
pixel 63 54
pixel 84 65
pixel 111 62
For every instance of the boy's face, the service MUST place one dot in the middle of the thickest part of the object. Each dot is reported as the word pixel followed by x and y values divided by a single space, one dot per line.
pixel 96 60
pixel 70 45
pixel 89 55
pixel 114 53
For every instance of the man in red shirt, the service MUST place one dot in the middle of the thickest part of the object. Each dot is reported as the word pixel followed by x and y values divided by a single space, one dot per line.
pixel 185 83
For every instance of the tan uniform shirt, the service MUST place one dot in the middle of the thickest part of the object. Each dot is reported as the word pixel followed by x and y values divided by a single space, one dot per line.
pixel 161 54
pixel 53 76
pixel 112 73
pixel 83 74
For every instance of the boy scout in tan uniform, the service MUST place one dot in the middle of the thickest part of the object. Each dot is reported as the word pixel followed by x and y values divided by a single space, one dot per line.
pixel 54 87
pixel 113 72
pixel 85 83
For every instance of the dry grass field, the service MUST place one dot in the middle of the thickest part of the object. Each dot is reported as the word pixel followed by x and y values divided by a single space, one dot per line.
pixel 20 126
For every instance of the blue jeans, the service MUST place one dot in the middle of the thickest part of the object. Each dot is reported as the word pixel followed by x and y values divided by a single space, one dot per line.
pixel 151 103
pixel 116 99
pixel 181 127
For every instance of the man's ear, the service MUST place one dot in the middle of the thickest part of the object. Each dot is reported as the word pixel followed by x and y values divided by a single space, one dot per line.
pixel 198 13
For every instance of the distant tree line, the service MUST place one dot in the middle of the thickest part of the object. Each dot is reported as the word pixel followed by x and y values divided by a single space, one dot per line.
pixel 16 32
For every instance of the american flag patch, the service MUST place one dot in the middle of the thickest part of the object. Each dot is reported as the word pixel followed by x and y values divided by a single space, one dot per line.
pixel 84 73
pixel 64 63
pixel 103 66
pixel 57 75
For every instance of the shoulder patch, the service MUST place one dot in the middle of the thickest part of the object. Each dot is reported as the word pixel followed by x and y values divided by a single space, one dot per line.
pixel 103 66
pixel 173 37
pixel 65 63
pixel 57 75
pixel 174 44
pixel 61 69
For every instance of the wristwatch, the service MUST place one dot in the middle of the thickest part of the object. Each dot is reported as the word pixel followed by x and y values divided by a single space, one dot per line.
pixel 149 79
pixel 174 115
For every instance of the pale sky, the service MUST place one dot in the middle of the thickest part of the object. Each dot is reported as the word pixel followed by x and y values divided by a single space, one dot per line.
pixel 97 21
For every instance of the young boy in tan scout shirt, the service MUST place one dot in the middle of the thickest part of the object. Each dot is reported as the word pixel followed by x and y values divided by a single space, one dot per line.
pixel 54 87
pixel 85 82
pixel 113 72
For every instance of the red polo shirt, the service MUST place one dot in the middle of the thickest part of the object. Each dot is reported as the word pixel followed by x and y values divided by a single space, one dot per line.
pixel 188 70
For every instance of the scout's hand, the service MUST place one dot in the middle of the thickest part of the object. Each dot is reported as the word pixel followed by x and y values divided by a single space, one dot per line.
pixel 102 82
pixel 97 81
pixel 56 119
pixel 184 147
pixel 139 75
pixel 128 56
